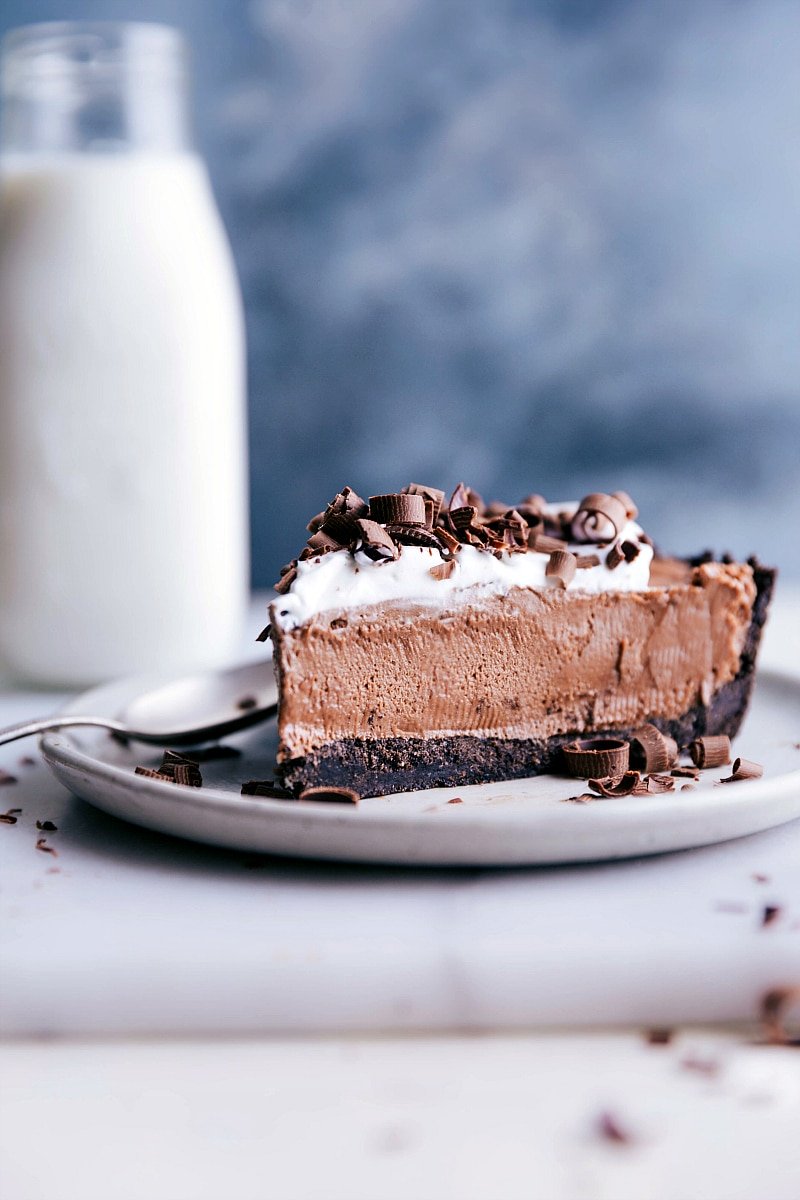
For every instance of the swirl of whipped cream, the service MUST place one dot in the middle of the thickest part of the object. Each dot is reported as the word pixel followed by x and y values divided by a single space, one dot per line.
pixel 598 518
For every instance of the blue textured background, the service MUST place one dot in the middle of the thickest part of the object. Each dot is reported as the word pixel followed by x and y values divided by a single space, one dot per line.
pixel 541 246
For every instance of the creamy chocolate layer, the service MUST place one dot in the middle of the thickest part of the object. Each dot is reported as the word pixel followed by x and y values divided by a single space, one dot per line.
pixel 526 664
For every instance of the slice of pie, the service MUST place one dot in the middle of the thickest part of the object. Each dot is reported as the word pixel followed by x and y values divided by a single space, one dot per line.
pixel 421 644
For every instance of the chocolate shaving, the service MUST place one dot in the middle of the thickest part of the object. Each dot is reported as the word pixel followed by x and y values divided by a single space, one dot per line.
pixel 651 750
pixel 10 817
pixel 47 826
pixel 688 787
pixel 455 800
pixel 712 751
pixel 188 775
pixel 41 844
pixel 616 787
pixel 597 758
pixel 686 772
pixel 375 541
pixel 630 551
pixel 323 542
pixel 770 913
pixel 459 498
pixel 175 768
pixel 286 580
pixel 659 1036
pixel 6 778
pixel 598 518
pixel 433 497
pixel 443 570
pixel 744 769
pixel 584 561
pixel 414 535
pixel 614 557
pixel 540 543
pixel 27 761
pixel 447 540
pixel 398 508
pixel 315 523
pixel 656 784
pixel 631 511
pixel 246 703
pixel 331 795
pixel 265 787
pixel 265 632
pixel 561 567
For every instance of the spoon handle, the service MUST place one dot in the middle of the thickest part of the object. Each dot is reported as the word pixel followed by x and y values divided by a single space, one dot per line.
pixel 28 728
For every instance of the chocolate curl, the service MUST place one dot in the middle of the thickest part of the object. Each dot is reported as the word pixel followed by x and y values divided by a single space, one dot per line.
pixel 375 541
pixel 443 570
pixel 347 502
pixel 433 497
pixel 315 523
pixel 655 784
pixel 631 511
pixel 597 758
pixel 398 508
pixel 542 544
pixel 413 535
pixel 614 558
pixel 321 542
pixel 711 751
pixel 686 772
pixel 744 769
pixel 448 542
pixel 651 750
pixel 561 567
pixel 616 787
pixel 583 562
pixel 599 518
pixel 288 576
pixel 459 498
pixel 339 527
pixel 331 795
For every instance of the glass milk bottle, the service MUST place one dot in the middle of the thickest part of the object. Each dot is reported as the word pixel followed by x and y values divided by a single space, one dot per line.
pixel 123 526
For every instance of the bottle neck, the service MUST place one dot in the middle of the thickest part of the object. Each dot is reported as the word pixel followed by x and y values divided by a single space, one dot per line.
pixel 94 88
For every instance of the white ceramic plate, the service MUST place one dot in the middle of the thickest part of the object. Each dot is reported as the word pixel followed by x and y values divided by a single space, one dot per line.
pixel 499 824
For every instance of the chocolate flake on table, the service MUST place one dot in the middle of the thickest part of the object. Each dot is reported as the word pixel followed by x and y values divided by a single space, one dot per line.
pixel 598 518
pixel 657 784
pixel 597 758
pixel 659 1036
pixel 330 795
pixel 612 1129
pixel 47 826
pixel 265 787
pixel 41 844
pixel 443 570
pixel 625 786
pixel 711 751
pixel 770 913
pixel 774 1006
pixel 743 769
pixel 455 800
pixel 651 750
pixel 6 778
pixel 584 798
pixel 561 566
pixel 10 817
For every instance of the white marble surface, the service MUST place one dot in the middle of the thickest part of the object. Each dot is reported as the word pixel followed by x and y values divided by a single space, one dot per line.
pixel 129 932
pixel 456 1118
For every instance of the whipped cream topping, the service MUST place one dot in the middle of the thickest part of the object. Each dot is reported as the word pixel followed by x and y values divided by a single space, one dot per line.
pixel 341 580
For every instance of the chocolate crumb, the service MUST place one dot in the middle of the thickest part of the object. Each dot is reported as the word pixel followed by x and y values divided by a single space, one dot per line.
pixel 660 1036
pixel 770 914
pixel 455 800
pixel 46 826
pixel 612 1129
pixel 27 761
pixel 41 844
pixel 759 878
pixel 246 703
pixel 10 817
pixel 6 778
pixel 443 570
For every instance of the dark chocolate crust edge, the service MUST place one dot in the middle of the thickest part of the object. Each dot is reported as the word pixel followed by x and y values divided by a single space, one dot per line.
pixel 381 766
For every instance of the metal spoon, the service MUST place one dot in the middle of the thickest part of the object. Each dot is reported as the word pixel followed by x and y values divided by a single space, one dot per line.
pixel 185 712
